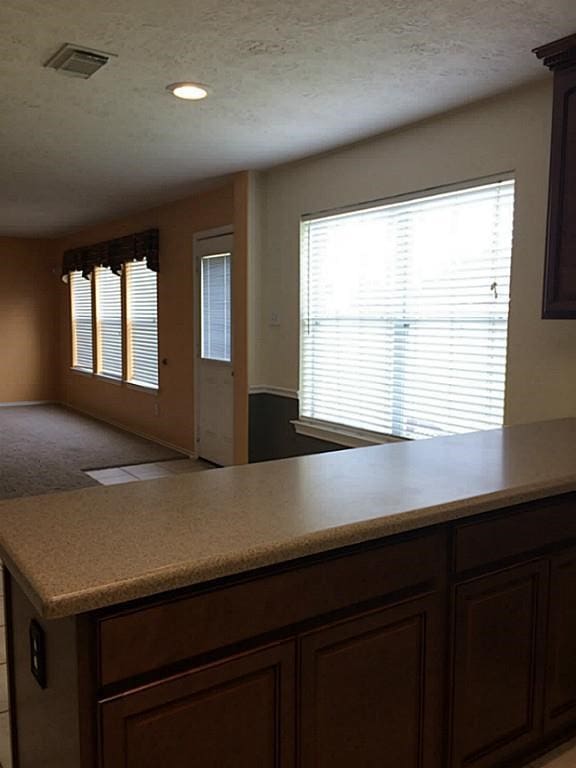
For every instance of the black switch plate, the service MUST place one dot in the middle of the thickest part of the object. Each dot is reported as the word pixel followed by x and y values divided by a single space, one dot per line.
pixel 38 653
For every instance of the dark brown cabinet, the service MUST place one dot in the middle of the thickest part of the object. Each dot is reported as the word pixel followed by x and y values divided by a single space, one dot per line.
pixel 371 691
pixel 448 648
pixel 561 669
pixel 560 270
pixel 236 714
pixel 370 694
pixel 499 636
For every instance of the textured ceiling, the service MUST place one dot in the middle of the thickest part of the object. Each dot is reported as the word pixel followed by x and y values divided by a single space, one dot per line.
pixel 287 79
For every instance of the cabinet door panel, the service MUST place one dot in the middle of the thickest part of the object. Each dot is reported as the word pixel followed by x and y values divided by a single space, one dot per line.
pixel 561 677
pixel 560 270
pixel 238 714
pixel 498 665
pixel 371 690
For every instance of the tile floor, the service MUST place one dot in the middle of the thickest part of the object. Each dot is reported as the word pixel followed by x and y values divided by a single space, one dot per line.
pixel 135 472
pixel 563 757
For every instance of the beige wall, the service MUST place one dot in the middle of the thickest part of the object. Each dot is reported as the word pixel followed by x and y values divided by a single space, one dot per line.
pixel 28 321
pixel 508 133
pixel 136 409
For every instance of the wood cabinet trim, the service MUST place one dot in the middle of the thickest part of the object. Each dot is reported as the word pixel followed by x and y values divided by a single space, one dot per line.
pixel 559 289
pixel 558 54
pixel 134 643
pixel 520 532
pixel 560 713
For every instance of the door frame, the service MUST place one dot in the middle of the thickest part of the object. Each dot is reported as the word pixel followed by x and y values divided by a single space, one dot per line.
pixel 209 234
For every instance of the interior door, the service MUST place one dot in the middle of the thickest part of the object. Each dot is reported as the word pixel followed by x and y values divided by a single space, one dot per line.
pixel 214 380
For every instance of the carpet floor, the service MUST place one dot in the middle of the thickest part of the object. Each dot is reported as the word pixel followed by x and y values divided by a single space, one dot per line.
pixel 46 448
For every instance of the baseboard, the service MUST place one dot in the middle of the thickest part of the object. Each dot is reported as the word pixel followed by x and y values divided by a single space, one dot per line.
pixel 29 402
pixel 124 428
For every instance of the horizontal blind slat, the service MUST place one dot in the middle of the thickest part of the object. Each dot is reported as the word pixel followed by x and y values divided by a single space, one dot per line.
pixel 215 276
pixel 142 308
pixel 81 313
pixel 109 322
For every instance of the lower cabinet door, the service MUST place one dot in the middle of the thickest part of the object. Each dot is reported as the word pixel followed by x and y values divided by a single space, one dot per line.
pixel 561 672
pixel 497 690
pixel 371 690
pixel 236 714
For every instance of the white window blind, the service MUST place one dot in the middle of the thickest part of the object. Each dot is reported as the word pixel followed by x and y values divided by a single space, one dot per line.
pixel 215 306
pixel 81 314
pixel 109 322
pixel 142 301
pixel 404 314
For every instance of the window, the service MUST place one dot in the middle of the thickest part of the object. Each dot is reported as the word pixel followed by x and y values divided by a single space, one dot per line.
pixel 404 314
pixel 125 312
pixel 142 309
pixel 109 322
pixel 215 306
pixel 81 312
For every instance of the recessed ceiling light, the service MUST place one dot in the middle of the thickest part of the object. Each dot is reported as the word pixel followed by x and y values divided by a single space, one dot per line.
pixel 190 91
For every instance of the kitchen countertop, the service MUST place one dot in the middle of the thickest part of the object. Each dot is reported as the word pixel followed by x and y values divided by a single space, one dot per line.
pixel 82 550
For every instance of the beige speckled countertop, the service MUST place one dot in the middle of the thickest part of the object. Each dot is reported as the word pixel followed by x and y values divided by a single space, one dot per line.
pixel 76 551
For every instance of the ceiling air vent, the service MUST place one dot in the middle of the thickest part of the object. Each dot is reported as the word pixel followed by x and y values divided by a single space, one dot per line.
pixel 77 61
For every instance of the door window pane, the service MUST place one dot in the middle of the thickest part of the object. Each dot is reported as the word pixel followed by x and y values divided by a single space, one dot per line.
pixel 215 306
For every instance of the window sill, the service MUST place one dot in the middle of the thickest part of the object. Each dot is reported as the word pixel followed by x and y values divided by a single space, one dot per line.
pixel 113 380
pixel 142 388
pixel 340 435
pixel 81 372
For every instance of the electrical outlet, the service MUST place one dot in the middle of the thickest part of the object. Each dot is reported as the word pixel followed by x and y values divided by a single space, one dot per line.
pixel 38 653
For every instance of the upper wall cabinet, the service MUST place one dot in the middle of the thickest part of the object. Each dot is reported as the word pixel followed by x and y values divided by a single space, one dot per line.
pixel 560 271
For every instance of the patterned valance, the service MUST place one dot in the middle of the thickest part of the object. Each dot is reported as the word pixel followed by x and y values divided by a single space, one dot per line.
pixel 142 246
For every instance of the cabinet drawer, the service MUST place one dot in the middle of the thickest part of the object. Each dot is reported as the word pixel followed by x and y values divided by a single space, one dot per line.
pixel 138 641
pixel 523 529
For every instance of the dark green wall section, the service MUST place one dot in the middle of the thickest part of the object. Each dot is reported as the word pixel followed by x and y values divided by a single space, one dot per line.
pixel 272 436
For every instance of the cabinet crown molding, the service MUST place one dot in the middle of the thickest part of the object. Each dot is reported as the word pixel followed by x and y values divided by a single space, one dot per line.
pixel 560 54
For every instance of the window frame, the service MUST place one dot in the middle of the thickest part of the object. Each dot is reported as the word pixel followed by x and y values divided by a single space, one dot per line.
pixel 348 435
pixel 95 372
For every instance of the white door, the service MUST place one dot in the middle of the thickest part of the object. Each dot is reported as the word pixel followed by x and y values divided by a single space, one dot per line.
pixel 214 379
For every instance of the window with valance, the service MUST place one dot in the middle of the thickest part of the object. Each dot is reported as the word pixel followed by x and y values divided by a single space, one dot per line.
pixel 113 254
pixel 114 308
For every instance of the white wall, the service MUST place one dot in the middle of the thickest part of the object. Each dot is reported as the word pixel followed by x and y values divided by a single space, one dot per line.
pixel 507 133
pixel 256 228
